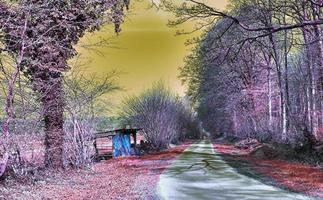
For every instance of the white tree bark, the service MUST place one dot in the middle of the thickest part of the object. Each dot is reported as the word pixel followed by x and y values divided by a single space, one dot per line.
pixel 270 103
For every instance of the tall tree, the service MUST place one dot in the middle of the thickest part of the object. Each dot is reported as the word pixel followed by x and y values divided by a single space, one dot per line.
pixel 53 27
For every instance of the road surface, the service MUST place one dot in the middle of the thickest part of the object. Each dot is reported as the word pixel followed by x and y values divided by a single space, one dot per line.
pixel 200 173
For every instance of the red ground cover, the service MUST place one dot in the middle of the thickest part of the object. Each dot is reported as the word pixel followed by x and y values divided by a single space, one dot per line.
pixel 295 176
pixel 122 178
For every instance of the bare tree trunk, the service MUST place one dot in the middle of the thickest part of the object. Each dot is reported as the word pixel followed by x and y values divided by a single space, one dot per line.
pixel 319 58
pixel 270 103
pixel 282 111
pixel 313 98
pixel 9 102
pixel 270 96
pixel 282 106
pixel 308 108
pixel 285 92
pixel 235 123
pixel 312 93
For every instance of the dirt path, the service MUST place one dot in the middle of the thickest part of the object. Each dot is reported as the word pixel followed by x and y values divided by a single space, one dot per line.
pixel 131 178
pixel 200 173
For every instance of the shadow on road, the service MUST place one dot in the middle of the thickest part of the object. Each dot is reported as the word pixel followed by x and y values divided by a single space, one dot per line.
pixel 200 173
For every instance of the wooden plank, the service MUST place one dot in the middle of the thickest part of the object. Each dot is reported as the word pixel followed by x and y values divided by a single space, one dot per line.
pixel 124 131
pixel 103 135
pixel 114 132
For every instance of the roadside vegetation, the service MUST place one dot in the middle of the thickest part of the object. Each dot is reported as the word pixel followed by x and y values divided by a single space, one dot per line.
pixel 47 115
pixel 164 117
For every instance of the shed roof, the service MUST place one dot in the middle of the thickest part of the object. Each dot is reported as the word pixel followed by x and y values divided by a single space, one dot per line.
pixel 112 133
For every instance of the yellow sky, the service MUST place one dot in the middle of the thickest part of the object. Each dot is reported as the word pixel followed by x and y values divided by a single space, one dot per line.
pixel 147 50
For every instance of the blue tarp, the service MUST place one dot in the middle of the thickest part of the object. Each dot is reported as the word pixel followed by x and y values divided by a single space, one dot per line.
pixel 121 145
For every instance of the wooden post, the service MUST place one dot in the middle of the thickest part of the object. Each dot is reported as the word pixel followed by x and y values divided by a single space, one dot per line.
pixel 135 142
pixel 96 149
pixel 135 138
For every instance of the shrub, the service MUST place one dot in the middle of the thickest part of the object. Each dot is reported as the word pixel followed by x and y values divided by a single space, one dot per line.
pixel 161 114
pixel 85 110
pixel 78 146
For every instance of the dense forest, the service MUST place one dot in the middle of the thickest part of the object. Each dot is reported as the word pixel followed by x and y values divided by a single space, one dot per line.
pixel 257 71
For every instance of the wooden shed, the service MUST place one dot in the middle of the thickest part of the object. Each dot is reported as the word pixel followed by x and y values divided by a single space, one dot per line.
pixel 121 141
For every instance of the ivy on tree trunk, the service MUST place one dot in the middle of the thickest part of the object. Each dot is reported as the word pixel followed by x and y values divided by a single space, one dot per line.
pixel 53 27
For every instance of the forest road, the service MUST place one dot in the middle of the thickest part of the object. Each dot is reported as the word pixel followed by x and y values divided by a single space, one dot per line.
pixel 200 173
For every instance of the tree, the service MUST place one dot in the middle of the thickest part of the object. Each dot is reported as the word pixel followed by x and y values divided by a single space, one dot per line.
pixel 52 28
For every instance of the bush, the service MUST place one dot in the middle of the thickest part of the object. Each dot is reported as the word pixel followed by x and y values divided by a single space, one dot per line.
pixel 85 112
pixel 25 155
pixel 78 145
pixel 161 114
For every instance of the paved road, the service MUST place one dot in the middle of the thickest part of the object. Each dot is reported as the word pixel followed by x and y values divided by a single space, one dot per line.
pixel 200 173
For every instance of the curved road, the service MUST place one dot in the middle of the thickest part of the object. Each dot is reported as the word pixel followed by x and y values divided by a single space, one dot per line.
pixel 200 173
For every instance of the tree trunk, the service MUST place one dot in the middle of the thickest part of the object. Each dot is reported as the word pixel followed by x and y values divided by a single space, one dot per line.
pixel 319 57
pixel 308 109
pixel 286 112
pixel 277 59
pixel 283 116
pixel 270 105
pixel 235 123
pixel 282 110
pixel 270 96
pixel 312 111
pixel 286 91
pixel 53 110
